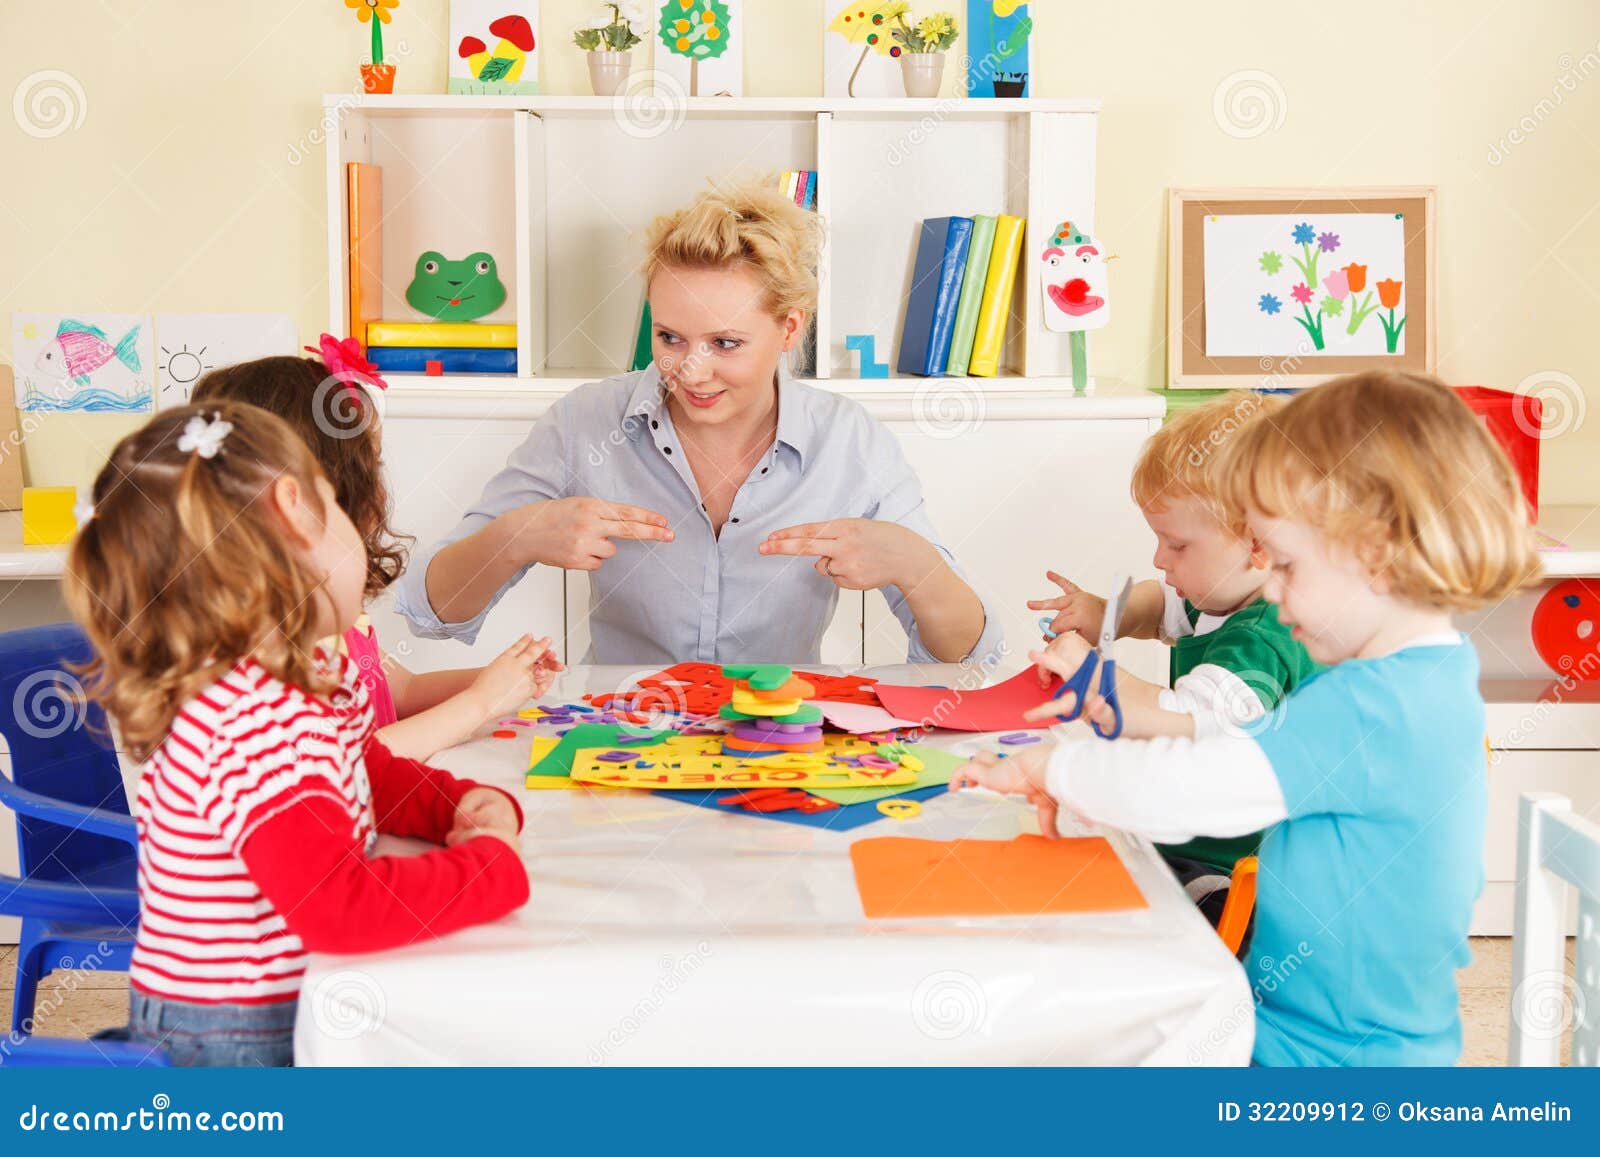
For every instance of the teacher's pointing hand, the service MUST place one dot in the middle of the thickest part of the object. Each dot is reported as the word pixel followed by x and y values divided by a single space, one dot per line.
pixel 860 554
pixel 576 533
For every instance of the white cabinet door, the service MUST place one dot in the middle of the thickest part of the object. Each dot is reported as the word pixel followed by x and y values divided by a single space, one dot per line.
pixel 436 470
pixel 1012 499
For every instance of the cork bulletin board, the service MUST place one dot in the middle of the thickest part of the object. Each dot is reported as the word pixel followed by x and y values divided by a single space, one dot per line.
pixel 1321 346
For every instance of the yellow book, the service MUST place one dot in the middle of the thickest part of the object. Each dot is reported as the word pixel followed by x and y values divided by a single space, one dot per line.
pixel 995 311
pixel 448 334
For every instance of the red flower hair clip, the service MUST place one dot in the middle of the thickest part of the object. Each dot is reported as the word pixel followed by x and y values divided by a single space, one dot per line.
pixel 347 361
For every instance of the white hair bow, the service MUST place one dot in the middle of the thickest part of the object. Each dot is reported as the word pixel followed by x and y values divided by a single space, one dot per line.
pixel 202 437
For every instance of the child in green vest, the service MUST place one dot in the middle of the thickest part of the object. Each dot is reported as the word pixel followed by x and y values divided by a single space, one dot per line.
pixel 1233 662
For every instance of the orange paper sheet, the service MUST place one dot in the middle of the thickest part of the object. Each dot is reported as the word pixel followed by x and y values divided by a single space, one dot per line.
pixel 1027 876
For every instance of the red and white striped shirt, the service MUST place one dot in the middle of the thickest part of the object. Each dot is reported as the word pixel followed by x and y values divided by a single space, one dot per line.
pixel 256 818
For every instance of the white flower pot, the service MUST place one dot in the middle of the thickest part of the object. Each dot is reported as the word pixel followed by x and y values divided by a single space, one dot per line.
pixel 922 72
pixel 608 71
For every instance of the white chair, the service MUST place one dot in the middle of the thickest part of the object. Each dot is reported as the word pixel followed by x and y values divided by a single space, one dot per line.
pixel 1555 850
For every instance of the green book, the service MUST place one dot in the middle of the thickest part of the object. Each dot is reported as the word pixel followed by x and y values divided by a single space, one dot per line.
pixel 644 343
pixel 966 324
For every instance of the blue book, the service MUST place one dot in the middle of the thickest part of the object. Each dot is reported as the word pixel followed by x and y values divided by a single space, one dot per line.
pixel 935 292
pixel 454 360
pixel 811 190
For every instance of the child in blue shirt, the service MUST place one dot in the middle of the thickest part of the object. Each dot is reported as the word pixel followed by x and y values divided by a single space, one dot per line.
pixel 1384 507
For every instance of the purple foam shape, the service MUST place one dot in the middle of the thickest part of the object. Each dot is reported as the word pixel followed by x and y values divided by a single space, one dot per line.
pixel 877 761
pixel 1018 738
pixel 615 757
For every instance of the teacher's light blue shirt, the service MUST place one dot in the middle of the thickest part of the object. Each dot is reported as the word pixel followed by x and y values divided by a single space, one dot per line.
pixel 702 597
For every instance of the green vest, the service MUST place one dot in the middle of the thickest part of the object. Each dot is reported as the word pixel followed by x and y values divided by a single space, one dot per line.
pixel 1257 648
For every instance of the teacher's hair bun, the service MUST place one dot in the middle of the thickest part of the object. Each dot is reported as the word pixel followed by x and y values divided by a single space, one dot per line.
pixel 749 224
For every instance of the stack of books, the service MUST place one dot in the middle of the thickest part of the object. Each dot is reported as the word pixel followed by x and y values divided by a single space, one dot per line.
pixel 960 302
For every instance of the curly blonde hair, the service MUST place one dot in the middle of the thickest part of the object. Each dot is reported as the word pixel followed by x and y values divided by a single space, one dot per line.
pixel 1396 469
pixel 185 569
pixel 743 224
pixel 1180 459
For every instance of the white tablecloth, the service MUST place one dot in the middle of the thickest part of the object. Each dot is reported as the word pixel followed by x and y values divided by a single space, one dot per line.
pixel 659 933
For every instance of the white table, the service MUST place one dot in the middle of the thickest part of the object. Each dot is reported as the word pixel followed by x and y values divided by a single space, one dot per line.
pixel 660 933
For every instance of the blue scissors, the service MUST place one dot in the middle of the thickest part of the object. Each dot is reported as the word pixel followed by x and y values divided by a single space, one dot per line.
pixel 1104 657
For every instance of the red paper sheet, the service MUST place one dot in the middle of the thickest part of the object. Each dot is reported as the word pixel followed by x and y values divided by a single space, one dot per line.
pixel 700 689
pixel 997 708
pixel 1027 876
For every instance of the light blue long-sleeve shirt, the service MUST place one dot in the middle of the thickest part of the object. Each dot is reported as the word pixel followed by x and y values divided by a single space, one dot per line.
pixel 703 597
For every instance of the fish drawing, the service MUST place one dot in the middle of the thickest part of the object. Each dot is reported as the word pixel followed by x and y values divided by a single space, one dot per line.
pixel 79 349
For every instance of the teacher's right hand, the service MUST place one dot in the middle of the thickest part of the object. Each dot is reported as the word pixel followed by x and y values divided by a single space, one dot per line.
pixel 576 533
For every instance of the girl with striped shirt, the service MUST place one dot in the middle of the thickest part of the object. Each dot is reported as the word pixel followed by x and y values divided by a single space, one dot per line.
pixel 215 560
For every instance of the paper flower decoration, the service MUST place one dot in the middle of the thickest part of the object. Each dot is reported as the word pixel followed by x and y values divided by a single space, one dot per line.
pixel 1301 293
pixel 1271 263
pixel 1270 304
pixel 1356 275
pixel 365 11
pixel 347 362
pixel 1389 298
pixel 1304 234
pixel 1337 284
pixel 1328 242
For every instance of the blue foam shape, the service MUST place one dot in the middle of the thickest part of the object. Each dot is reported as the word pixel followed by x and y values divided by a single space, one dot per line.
pixel 866 345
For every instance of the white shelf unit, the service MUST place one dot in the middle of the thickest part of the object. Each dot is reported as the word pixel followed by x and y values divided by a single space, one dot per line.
pixel 560 190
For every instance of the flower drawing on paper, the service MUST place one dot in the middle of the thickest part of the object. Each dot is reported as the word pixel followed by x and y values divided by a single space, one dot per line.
pixel 1304 234
pixel 1269 304
pixel 1301 293
pixel 1328 242
pixel 1389 298
pixel 1271 262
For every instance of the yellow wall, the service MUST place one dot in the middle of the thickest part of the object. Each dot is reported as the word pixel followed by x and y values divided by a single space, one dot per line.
pixel 179 190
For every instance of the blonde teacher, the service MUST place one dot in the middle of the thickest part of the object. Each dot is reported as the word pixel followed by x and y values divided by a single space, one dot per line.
pixel 719 504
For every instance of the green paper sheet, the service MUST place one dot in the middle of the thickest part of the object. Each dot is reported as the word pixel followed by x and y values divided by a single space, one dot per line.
pixel 966 323
pixel 582 735
pixel 937 768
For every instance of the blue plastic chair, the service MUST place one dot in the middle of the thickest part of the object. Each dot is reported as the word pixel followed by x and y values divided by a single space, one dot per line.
pixel 70 903
pixel 75 837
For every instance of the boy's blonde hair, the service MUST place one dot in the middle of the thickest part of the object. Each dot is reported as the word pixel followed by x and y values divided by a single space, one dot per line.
pixel 185 568
pixel 1395 468
pixel 1180 459
pixel 743 224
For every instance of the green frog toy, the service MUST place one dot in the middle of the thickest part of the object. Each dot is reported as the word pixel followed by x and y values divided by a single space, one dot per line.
pixel 463 290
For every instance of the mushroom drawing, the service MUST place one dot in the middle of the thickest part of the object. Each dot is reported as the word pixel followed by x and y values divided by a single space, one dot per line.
pixel 509 55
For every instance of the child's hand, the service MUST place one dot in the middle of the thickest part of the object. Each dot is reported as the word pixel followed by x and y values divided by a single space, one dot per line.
pixel 521 672
pixel 1076 609
pixel 483 811
pixel 1020 774
pixel 1063 656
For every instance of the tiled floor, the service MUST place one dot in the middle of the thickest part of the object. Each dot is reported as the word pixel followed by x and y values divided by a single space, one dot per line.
pixel 100 1000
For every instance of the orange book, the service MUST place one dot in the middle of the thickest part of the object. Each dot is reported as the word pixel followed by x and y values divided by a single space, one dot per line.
pixel 366 246
pixel 1028 876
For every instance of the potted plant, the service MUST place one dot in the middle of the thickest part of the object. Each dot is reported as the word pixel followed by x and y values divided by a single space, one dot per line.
pixel 1010 83
pixel 377 76
pixel 924 44
pixel 607 38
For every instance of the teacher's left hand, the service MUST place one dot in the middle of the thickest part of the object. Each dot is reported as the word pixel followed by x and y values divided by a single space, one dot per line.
pixel 860 554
